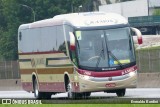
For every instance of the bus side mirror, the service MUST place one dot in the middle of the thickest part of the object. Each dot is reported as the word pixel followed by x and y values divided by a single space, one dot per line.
pixel 72 41
pixel 139 35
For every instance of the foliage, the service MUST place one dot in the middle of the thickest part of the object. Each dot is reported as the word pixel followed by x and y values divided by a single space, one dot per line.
pixel 13 13
pixel 123 0
pixel 156 12
pixel 108 1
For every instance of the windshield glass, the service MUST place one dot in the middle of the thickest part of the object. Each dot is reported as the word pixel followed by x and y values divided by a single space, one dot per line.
pixel 105 48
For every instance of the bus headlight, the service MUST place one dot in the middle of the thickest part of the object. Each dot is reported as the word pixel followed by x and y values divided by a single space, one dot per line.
pixel 85 77
pixel 132 74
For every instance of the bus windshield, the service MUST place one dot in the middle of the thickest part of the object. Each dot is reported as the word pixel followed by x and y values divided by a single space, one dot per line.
pixel 109 49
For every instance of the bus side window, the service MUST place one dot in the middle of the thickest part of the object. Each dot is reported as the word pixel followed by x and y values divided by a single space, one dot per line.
pixel 60 40
pixel 62 48
pixel 20 36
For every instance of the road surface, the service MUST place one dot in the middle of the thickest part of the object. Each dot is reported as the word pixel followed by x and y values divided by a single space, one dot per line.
pixel 130 93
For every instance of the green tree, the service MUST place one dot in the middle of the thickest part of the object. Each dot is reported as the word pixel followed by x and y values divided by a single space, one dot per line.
pixel 13 13
pixel 122 0
pixel 8 44
pixel 156 12
pixel 108 1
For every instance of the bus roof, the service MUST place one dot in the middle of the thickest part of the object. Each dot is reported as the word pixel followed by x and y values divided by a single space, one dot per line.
pixel 86 19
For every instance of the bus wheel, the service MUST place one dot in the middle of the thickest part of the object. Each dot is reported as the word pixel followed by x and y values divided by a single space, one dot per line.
pixel 121 92
pixel 40 95
pixel 86 94
pixel 37 94
pixel 72 95
pixel 69 90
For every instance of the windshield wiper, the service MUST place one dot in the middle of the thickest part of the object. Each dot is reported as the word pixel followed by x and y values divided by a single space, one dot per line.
pixel 113 56
pixel 130 44
pixel 99 59
pixel 78 45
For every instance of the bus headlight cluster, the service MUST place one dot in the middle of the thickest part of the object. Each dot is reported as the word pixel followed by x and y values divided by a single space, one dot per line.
pixel 132 73
pixel 85 77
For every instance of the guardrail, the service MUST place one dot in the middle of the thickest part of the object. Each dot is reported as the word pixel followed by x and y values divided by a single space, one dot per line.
pixel 148 61
pixel 148 54
pixel 9 70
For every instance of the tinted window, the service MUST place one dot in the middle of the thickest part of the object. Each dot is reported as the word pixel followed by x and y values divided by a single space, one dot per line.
pixel 49 39
pixel 60 39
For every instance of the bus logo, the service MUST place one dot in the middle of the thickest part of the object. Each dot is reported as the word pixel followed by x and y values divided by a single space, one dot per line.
pixel 33 63
pixel 128 71
pixel 87 73
pixel 100 21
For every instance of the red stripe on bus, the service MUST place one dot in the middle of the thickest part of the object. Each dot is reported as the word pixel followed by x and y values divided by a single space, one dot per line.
pixel 47 52
pixel 50 87
pixel 27 86
pixel 75 87
pixel 57 87
pixel 107 73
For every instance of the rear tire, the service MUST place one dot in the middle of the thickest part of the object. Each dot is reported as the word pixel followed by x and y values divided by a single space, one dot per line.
pixel 40 95
pixel 37 94
pixel 121 92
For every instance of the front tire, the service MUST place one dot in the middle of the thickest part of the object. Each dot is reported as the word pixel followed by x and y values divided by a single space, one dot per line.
pixel 72 95
pixel 121 92
pixel 69 90
pixel 86 94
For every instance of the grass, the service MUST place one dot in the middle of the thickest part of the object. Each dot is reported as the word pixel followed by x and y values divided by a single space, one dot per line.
pixel 86 105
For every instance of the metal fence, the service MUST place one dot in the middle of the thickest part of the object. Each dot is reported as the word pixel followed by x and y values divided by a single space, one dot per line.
pixel 9 70
pixel 148 60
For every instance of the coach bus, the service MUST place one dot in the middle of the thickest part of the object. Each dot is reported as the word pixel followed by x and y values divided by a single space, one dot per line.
pixel 78 53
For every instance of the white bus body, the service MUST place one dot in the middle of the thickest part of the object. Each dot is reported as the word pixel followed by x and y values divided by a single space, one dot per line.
pixel 78 53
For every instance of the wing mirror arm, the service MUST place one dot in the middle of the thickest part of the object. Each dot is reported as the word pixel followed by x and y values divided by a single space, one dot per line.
pixel 72 41
pixel 139 35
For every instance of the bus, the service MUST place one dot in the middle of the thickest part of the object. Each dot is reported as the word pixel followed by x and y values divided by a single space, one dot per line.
pixel 78 53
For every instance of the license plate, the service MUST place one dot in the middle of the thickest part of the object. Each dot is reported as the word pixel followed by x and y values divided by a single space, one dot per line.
pixel 111 85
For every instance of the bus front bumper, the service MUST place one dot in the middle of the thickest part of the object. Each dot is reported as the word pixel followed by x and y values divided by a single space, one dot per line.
pixel 93 84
